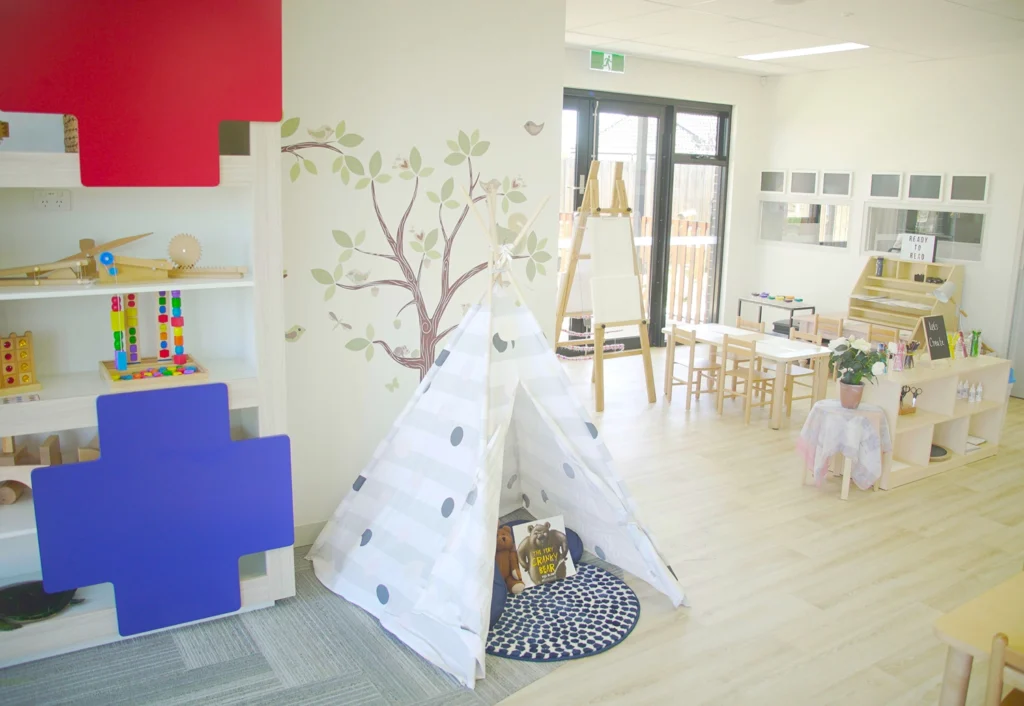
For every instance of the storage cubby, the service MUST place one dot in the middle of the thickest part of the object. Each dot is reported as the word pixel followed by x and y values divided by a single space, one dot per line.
pixel 940 417
pixel 233 326
pixel 896 300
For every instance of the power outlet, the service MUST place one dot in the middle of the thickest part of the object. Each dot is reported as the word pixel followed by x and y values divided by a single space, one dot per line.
pixel 53 200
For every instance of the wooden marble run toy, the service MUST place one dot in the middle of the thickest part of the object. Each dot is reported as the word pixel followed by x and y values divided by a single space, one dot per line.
pixel 98 263
pixel 171 366
pixel 18 365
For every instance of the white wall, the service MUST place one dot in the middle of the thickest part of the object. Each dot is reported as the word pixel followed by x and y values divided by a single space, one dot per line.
pixel 948 117
pixel 401 75
pixel 748 97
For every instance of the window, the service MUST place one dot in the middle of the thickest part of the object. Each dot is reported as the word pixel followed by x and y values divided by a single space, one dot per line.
pixel 957 234
pixel 802 182
pixel 925 186
pixel 773 182
pixel 886 186
pixel 697 133
pixel 807 223
pixel 837 184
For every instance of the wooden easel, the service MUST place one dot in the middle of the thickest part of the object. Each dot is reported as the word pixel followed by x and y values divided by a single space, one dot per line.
pixel 620 207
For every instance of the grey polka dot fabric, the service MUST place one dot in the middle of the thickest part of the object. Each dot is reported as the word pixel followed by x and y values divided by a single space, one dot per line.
pixel 577 617
pixel 412 543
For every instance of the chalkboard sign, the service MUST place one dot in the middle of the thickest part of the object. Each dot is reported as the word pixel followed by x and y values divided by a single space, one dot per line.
pixel 935 335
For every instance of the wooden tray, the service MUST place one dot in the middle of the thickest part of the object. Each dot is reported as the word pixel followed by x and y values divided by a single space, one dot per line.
pixel 110 374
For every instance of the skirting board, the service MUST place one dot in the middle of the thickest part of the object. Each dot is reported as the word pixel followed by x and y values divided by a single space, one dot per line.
pixel 307 534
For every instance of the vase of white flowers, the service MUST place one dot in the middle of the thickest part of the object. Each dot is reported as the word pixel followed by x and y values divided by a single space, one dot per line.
pixel 855 361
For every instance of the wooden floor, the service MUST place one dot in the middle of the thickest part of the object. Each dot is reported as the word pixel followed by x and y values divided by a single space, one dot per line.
pixel 797 597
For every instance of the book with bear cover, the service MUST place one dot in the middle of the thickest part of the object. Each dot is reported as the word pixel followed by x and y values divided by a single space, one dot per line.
pixel 543 551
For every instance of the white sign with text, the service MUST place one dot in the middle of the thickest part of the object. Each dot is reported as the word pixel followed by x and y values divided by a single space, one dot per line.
pixel 920 248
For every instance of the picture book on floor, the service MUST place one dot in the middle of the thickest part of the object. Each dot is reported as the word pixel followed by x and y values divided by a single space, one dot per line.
pixel 543 551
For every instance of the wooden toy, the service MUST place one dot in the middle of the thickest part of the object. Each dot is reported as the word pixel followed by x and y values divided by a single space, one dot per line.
pixel 17 462
pixel 171 366
pixel 10 491
pixel 17 365
pixel 98 263
pixel 5 130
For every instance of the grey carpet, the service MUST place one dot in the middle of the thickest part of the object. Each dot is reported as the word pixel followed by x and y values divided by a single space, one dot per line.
pixel 315 648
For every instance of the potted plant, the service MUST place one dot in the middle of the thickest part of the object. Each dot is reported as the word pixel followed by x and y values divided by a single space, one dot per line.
pixel 855 361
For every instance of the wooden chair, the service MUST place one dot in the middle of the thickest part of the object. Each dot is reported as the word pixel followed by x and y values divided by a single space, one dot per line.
pixel 1003 662
pixel 880 334
pixel 828 327
pixel 740 362
pixel 802 375
pixel 748 325
pixel 700 366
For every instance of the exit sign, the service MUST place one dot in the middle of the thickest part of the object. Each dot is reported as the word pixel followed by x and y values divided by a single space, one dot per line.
pixel 605 61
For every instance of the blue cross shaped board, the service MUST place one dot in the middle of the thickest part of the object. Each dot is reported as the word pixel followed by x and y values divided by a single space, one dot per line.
pixel 167 510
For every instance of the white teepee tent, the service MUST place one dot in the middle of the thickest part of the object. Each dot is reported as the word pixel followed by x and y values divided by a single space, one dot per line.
pixel 494 426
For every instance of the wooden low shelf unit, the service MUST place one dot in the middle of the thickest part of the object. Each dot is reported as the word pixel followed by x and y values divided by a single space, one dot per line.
pixel 906 300
pixel 941 418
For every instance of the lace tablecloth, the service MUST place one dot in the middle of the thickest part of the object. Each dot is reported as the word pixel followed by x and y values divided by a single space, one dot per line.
pixel 862 435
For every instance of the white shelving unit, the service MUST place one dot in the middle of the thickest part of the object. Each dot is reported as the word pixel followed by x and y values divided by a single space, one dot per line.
pixel 234 327
pixel 941 418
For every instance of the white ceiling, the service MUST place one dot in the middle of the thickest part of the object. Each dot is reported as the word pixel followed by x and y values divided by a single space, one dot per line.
pixel 716 32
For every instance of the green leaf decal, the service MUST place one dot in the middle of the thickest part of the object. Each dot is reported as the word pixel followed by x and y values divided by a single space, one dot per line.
pixel 345 256
pixel 426 171
pixel 504 205
pixel 480 148
pixel 415 161
pixel 340 130
pixel 451 203
pixel 338 272
pixel 289 126
pixel 350 140
pixel 407 175
pixel 369 331
pixel 360 237
pixel 310 166
pixel 516 196
pixel 447 188
pixel 383 178
pixel 322 276
pixel 363 183
pixel 434 255
pixel 475 137
pixel 455 158
pixel 542 244
pixel 542 256
pixel 430 240
pixel 433 197
pixel 342 238
pixel 453 145
pixel 295 171
pixel 369 353
pixel 397 323
pixel 540 268
pixel 464 143
pixel 329 292
pixel 357 344
pixel 354 165
pixel 338 164
pixel 531 270
pixel 531 242
pixel 375 162
pixel 345 175
pixel 416 246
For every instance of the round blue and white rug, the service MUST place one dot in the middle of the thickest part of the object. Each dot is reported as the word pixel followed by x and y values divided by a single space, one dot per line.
pixel 580 616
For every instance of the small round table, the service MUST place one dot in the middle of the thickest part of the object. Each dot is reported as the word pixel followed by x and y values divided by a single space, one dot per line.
pixel 860 436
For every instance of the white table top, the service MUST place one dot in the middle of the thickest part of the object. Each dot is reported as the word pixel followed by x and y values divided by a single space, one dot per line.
pixel 771 347
pixel 777 303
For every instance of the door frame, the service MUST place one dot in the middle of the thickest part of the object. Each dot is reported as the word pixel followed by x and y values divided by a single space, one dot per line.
pixel 587 103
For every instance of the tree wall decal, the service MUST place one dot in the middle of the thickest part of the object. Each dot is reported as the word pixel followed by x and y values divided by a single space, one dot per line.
pixel 406 251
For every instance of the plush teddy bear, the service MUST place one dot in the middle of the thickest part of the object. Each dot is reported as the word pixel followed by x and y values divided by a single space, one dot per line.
pixel 508 561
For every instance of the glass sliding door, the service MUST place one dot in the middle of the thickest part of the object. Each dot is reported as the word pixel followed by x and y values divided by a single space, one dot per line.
pixel 675 168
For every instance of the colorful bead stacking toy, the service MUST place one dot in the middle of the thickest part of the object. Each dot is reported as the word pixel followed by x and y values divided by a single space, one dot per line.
pixel 129 370
pixel 17 362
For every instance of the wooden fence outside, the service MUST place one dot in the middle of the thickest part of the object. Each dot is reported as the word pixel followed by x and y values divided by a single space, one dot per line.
pixel 691 257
